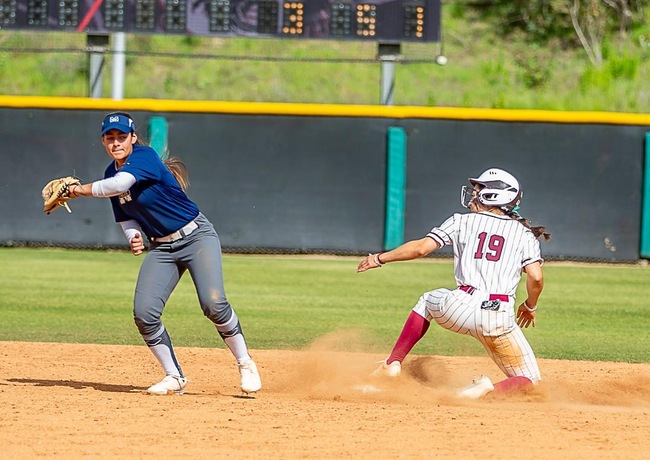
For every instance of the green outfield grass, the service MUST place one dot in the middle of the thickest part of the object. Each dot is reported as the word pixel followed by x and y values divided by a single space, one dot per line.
pixel 587 312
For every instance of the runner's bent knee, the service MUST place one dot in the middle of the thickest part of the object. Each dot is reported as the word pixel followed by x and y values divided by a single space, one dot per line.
pixel 431 303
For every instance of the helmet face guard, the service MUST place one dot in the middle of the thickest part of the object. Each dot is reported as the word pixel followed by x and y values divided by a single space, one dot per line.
pixel 466 195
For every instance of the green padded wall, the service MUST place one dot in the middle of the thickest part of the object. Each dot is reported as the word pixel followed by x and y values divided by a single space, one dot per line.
pixel 395 187
pixel 158 135
pixel 645 203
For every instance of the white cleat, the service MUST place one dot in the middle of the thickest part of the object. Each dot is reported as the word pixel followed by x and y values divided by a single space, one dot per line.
pixel 391 370
pixel 171 384
pixel 250 378
pixel 479 387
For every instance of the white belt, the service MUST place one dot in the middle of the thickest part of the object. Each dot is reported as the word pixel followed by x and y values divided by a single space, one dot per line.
pixel 182 233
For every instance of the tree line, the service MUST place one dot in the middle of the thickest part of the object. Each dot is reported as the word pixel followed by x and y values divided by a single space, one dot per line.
pixel 574 23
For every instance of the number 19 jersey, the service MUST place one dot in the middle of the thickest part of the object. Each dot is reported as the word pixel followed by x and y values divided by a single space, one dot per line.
pixel 490 250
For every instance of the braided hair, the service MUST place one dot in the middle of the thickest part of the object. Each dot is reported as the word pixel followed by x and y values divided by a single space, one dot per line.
pixel 538 231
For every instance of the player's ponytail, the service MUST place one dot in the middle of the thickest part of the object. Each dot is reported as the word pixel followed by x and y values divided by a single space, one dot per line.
pixel 538 231
pixel 179 170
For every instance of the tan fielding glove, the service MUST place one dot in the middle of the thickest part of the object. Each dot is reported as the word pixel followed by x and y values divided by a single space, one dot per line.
pixel 57 193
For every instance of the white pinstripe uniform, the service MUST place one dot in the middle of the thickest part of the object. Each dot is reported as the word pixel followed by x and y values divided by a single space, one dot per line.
pixel 490 252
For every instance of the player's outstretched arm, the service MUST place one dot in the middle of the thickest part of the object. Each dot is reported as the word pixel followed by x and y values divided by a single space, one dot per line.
pixel 410 250
pixel 104 188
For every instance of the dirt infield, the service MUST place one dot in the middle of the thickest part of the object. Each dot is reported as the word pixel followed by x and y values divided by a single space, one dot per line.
pixel 81 401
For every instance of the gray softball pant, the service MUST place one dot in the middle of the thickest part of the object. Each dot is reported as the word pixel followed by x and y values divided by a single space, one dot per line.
pixel 161 270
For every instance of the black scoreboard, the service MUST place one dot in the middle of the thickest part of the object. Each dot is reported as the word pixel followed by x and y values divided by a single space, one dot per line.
pixel 390 21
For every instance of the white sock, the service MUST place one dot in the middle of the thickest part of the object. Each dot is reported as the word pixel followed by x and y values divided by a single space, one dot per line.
pixel 237 346
pixel 164 356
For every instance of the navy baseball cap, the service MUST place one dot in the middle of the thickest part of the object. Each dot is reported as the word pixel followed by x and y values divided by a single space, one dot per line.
pixel 117 121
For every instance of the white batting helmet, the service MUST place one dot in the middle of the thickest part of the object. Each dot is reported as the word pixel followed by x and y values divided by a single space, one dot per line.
pixel 500 189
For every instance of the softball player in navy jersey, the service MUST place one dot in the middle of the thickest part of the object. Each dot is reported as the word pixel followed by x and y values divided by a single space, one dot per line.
pixel 148 200
pixel 492 246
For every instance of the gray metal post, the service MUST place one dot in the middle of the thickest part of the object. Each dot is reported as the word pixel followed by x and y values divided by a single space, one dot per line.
pixel 388 54
pixel 96 46
pixel 119 64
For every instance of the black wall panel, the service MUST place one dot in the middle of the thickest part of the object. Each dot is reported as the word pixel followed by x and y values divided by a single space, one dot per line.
pixel 40 145
pixel 286 182
pixel 583 182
